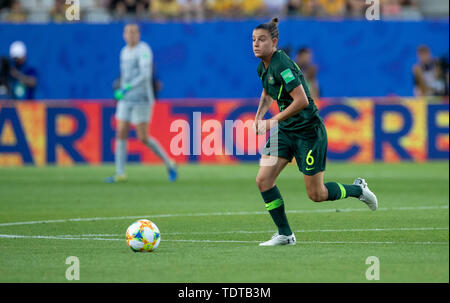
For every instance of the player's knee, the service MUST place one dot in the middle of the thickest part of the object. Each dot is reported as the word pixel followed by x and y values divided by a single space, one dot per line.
pixel 121 135
pixel 315 196
pixel 263 183
pixel 259 182
pixel 142 139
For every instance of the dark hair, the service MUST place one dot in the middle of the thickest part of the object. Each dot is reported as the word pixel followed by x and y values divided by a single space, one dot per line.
pixel 423 49
pixel 131 23
pixel 271 27
pixel 303 50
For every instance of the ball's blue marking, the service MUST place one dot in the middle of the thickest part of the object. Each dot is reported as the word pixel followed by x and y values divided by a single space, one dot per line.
pixel 138 235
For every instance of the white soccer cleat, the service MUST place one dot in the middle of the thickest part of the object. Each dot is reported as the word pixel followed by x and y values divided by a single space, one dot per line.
pixel 278 239
pixel 367 196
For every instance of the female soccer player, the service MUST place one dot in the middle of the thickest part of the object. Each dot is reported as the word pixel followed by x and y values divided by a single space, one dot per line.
pixel 135 102
pixel 301 134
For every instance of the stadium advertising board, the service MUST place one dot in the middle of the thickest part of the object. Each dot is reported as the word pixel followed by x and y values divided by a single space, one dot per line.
pixel 359 130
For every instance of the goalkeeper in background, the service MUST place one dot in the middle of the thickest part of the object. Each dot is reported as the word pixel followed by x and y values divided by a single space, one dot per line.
pixel 135 102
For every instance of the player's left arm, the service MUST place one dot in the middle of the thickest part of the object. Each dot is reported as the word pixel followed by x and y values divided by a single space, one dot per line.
pixel 289 74
pixel 145 68
pixel 29 78
pixel 300 101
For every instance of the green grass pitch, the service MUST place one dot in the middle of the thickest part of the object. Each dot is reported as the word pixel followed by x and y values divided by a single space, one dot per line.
pixel 212 219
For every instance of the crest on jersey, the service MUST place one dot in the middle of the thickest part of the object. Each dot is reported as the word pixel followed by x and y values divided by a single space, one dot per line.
pixel 271 80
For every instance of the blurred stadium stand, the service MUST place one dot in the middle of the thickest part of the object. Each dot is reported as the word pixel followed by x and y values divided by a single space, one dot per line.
pixel 434 8
pixel 84 53
pixel 355 58
pixel 42 11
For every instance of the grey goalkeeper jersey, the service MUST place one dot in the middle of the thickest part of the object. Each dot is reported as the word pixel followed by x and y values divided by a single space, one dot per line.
pixel 136 66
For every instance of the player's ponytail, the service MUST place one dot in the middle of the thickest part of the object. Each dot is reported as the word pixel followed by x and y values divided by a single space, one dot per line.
pixel 271 27
pixel 275 21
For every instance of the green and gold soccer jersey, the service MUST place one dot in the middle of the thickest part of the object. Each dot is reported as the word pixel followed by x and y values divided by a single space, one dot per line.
pixel 279 79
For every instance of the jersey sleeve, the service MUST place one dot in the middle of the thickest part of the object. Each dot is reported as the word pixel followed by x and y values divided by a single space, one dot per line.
pixel 289 75
pixel 145 66
pixel 259 71
pixel 146 56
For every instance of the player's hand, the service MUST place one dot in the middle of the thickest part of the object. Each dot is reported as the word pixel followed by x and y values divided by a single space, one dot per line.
pixel 119 93
pixel 260 127
pixel 256 126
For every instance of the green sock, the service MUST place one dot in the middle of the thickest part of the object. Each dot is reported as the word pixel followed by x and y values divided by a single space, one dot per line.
pixel 337 191
pixel 275 206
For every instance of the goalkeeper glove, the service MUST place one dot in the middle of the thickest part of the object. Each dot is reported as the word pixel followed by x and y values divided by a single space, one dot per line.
pixel 119 93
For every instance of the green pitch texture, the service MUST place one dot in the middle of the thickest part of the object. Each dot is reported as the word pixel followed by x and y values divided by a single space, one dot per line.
pixel 212 219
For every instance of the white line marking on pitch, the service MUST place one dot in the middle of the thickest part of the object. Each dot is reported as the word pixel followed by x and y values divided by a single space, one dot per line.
pixel 225 241
pixel 56 238
pixel 219 214
pixel 271 231
pixel 315 230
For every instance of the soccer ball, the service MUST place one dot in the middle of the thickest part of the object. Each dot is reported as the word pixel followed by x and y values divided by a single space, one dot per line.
pixel 143 236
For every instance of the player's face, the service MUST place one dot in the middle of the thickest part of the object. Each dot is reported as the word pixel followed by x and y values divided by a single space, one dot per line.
pixel 19 61
pixel 424 56
pixel 131 34
pixel 263 45
pixel 305 57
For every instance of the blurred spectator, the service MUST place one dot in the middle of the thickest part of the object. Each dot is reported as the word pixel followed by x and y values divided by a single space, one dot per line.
pixel 390 8
pixel 311 8
pixel 410 9
pixel 335 8
pixel 129 9
pixel 199 10
pixel 400 9
pixel 119 10
pixel 221 8
pixel 428 77
pixel 5 4
pixel 445 72
pixel 17 13
pixel 251 8
pixel 142 9
pixel 4 78
pixel 23 78
pixel 165 9
pixel 293 7
pixel 356 8
pixel 192 10
pixel 58 11
pixel 276 8
pixel 309 69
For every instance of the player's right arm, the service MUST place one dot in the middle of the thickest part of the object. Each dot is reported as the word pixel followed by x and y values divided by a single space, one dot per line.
pixel 120 88
pixel 421 85
pixel 264 104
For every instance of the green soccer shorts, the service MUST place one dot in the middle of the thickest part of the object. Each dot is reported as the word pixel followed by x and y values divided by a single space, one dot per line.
pixel 309 148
